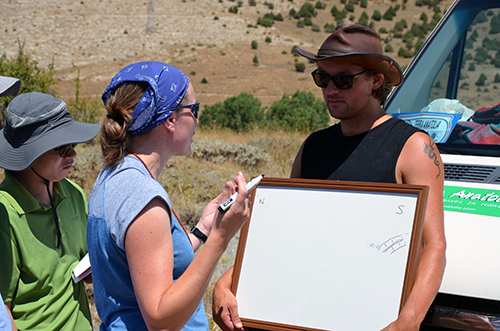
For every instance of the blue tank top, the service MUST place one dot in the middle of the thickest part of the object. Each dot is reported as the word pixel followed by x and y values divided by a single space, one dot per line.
pixel 119 195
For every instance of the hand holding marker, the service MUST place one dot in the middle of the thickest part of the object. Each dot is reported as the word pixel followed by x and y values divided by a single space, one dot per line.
pixel 250 186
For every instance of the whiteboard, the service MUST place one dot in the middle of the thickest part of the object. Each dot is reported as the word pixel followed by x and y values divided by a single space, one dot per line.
pixel 327 255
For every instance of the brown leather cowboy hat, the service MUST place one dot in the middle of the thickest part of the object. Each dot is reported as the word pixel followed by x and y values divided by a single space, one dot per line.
pixel 359 45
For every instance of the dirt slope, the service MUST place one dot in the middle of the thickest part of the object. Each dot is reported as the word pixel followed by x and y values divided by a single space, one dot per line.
pixel 201 37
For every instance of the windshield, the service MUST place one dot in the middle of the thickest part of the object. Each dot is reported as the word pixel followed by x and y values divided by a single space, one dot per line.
pixel 452 87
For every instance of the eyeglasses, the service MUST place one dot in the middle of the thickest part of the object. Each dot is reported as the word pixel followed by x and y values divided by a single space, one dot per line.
pixel 342 82
pixel 64 149
pixel 195 108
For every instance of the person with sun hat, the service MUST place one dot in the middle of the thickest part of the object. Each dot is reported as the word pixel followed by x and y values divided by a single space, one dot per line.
pixel 43 215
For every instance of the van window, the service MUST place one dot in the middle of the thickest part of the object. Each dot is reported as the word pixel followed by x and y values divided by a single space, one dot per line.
pixel 452 87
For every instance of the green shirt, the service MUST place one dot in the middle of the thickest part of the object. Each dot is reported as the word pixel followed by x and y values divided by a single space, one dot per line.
pixel 35 276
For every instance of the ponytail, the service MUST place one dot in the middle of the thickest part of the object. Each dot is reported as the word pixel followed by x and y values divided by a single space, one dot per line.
pixel 114 135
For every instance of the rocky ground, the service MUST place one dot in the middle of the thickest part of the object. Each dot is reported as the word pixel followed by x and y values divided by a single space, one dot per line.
pixel 201 37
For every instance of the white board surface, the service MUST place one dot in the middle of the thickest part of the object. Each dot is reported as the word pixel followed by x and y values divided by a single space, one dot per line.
pixel 325 259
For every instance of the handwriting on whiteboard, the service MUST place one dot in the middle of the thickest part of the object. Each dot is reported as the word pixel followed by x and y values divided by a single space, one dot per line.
pixel 391 245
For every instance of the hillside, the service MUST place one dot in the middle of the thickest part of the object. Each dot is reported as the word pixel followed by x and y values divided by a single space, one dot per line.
pixel 201 37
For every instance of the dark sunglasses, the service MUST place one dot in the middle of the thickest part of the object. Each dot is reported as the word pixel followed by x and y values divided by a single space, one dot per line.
pixel 342 82
pixel 195 108
pixel 64 149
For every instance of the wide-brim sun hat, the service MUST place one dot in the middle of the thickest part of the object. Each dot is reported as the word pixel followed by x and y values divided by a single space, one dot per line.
pixel 9 86
pixel 360 45
pixel 35 124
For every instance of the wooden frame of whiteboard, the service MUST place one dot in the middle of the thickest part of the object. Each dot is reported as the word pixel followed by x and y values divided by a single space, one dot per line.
pixel 419 193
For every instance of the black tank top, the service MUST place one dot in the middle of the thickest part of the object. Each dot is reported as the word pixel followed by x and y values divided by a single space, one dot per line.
pixel 368 157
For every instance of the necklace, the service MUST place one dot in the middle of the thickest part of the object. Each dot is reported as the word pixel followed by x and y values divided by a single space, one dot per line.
pixel 177 217
pixel 145 165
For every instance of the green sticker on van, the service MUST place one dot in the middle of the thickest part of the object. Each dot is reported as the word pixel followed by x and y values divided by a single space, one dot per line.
pixel 472 200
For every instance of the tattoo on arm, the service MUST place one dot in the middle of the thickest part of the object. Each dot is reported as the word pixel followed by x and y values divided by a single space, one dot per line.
pixel 431 151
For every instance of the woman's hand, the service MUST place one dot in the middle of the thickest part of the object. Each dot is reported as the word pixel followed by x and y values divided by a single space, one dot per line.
pixel 227 224
pixel 206 221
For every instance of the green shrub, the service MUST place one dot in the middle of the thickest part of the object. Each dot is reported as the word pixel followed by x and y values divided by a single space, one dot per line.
pixel 495 25
pixel 320 5
pixel 267 20
pixel 481 55
pixel 329 28
pixel 33 77
pixel 334 11
pixel 349 7
pixel 363 19
pixel 300 67
pixel 389 14
pixel 238 113
pixel 376 16
pixel 254 44
pixel 423 17
pixel 302 111
pixel 406 53
pixel 481 81
pixel 464 85
pixel 269 5
pixel 419 44
pixel 307 10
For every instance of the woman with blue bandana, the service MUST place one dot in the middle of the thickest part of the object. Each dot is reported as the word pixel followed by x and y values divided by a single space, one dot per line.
pixel 146 275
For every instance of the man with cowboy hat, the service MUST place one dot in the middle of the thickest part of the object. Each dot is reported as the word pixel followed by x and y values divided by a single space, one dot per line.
pixel 366 145
pixel 43 215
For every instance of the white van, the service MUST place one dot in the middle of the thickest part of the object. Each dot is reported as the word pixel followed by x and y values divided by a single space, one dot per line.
pixel 452 90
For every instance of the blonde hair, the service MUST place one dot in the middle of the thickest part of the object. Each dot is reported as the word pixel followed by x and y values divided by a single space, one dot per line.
pixel 114 135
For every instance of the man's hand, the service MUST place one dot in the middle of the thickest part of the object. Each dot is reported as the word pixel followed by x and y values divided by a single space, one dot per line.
pixel 224 304
pixel 403 323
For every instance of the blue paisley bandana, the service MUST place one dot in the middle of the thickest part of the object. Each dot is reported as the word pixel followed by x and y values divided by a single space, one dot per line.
pixel 167 86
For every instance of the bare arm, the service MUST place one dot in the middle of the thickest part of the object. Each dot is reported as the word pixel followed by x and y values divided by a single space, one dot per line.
pixel 297 163
pixel 14 327
pixel 166 305
pixel 205 223
pixel 420 164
